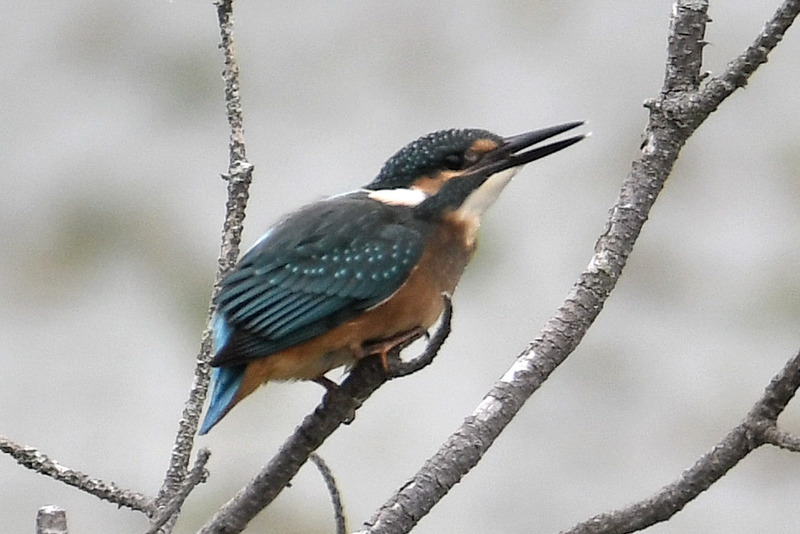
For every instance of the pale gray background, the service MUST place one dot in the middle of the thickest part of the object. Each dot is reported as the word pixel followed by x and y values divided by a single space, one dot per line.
pixel 113 134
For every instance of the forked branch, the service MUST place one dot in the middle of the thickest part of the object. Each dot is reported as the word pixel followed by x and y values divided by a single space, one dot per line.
pixel 338 407
pixel 674 116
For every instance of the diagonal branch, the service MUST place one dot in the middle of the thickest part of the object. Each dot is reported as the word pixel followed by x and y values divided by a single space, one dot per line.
pixel 35 460
pixel 757 429
pixel 781 439
pixel 739 70
pixel 674 116
pixel 337 408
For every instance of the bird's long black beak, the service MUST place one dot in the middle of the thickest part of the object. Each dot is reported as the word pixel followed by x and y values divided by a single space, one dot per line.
pixel 512 153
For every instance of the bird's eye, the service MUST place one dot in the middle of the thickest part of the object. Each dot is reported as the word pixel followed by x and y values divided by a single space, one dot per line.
pixel 454 162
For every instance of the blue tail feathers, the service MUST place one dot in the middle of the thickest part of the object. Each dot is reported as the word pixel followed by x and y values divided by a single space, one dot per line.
pixel 225 383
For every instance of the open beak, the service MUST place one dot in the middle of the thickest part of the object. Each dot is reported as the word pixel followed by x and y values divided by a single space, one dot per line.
pixel 512 151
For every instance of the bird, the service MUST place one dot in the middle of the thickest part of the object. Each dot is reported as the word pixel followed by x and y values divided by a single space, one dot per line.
pixel 357 273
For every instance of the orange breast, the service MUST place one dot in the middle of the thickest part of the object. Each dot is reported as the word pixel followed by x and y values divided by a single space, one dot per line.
pixel 418 303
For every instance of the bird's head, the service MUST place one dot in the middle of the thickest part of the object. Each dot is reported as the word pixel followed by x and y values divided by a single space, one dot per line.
pixel 453 169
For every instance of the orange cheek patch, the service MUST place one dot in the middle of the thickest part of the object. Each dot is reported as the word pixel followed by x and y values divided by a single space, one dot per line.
pixel 481 146
pixel 432 184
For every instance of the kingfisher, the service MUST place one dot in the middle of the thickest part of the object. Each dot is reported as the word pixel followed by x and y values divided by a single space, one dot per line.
pixel 358 273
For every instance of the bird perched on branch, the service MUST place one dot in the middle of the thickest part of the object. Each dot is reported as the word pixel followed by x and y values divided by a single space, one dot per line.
pixel 358 273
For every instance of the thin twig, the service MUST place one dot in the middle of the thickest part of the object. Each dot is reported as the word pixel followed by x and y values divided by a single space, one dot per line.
pixel 35 460
pixel 178 480
pixel 239 177
pixel 336 497
pixel 337 408
pixel 739 70
pixel 673 118
pixel 398 368
pixel 782 439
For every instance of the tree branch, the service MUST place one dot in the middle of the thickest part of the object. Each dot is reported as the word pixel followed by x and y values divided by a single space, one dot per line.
pixel 336 497
pixel 171 509
pixel 398 368
pixel 35 460
pixel 238 177
pixel 674 116
pixel 178 481
pixel 779 438
pixel 338 407
pixel 740 69
pixel 757 429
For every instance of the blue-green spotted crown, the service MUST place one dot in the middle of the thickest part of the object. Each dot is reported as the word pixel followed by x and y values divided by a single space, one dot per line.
pixel 426 155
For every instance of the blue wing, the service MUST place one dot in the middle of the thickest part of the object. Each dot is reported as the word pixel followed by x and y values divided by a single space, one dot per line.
pixel 317 268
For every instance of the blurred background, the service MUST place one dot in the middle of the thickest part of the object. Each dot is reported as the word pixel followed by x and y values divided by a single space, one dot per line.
pixel 114 135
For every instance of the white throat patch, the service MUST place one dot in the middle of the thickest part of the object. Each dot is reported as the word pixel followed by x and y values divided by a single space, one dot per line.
pixel 479 200
pixel 469 213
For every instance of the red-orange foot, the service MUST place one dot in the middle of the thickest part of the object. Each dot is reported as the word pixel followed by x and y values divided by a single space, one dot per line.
pixel 327 383
pixel 384 346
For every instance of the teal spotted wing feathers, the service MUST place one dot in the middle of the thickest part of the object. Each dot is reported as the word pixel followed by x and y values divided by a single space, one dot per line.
pixel 319 267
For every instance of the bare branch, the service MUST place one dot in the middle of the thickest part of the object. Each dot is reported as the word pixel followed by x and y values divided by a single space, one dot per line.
pixel 239 177
pixel 685 46
pixel 338 407
pixel 336 498
pixel 673 118
pixel 739 70
pixel 781 439
pixel 178 481
pixel 756 430
pixel 399 368
pixel 35 460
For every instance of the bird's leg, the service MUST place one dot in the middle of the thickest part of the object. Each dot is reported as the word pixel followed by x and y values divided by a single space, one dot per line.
pixel 381 348
pixel 326 382
pixel 385 346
